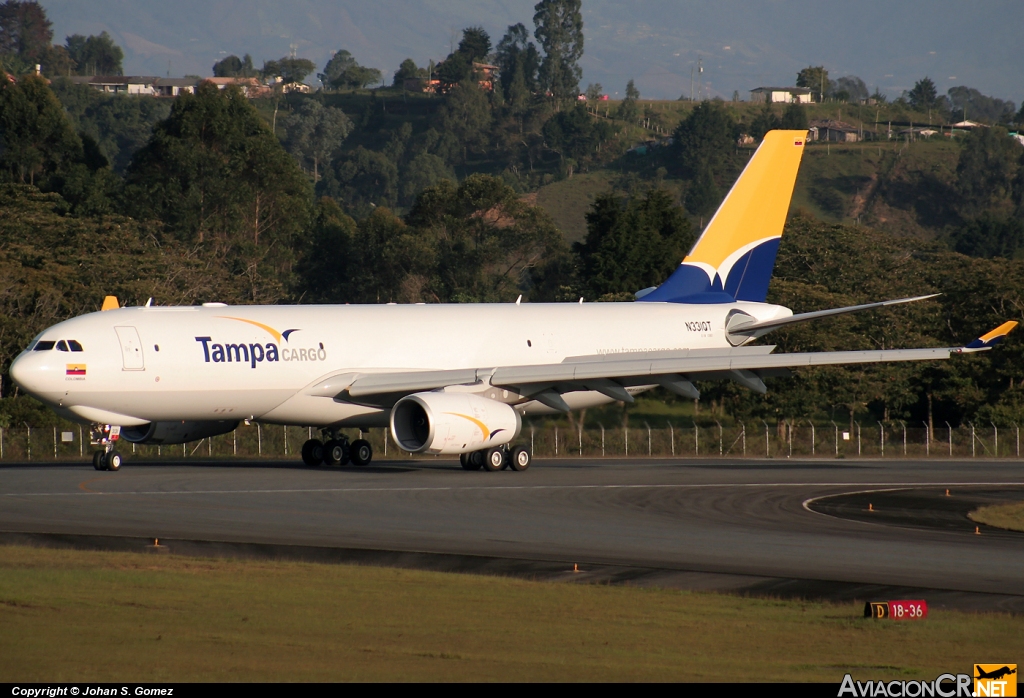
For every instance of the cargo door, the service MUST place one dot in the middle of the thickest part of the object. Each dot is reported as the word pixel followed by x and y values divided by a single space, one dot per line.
pixel 131 349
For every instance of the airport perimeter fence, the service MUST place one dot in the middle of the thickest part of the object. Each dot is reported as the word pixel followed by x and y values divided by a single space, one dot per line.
pixel 750 440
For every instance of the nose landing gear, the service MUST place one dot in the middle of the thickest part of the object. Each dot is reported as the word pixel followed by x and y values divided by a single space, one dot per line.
pixel 105 436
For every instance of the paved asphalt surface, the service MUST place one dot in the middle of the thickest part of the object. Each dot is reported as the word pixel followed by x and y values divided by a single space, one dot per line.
pixel 780 527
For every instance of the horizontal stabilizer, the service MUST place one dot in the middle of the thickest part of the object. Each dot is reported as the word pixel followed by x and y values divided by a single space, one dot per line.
pixel 757 329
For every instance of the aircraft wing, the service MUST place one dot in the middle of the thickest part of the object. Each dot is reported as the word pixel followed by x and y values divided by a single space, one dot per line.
pixel 608 374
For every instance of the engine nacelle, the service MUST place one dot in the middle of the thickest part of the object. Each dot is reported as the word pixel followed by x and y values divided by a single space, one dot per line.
pixel 175 432
pixel 450 423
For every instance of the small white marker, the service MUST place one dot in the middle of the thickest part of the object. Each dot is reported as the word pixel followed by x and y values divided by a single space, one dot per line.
pixel 519 299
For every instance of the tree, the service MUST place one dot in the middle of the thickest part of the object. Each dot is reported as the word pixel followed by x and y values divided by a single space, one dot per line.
pixel 466 116
pixel 765 121
pixel 631 91
pixel 985 170
pixel 36 139
pixel 423 171
pixel 632 243
pixel 344 72
pixel 475 44
pixel 25 30
pixel 990 236
pixel 329 258
pixel 704 140
pixel 517 55
pixel 574 133
pixel 979 107
pixel 455 69
pixel 315 133
pixel 235 67
pixel 559 31
pixel 923 96
pixel 487 243
pixel 794 118
pixel 214 173
pixel 406 71
pixel 594 92
pixel 289 69
pixel 95 55
pixel 361 179
pixel 815 78
pixel 854 87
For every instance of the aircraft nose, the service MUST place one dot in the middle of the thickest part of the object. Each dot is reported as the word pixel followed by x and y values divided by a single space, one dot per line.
pixel 21 373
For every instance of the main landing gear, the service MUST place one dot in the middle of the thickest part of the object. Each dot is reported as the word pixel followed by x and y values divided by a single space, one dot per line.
pixel 499 458
pixel 105 436
pixel 335 449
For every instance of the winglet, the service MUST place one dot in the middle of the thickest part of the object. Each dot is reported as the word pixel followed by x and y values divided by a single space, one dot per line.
pixel 110 303
pixel 990 339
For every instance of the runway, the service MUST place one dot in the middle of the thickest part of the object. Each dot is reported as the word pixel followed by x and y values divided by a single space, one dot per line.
pixel 782 527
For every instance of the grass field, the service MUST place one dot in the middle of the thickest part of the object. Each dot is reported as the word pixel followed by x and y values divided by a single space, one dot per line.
pixel 97 616
pixel 1009 516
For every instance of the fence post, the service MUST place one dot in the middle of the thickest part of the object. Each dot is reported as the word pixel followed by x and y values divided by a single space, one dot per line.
pixel 743 434
pixel 858 438
pixel 259 439
pixel 927 440
pixel 234 442
pixel 974 452
pixel 28 442
pixel 720 452
pixel 1014 426
pixel 581 438
pixel 648 438
pixel 767 451
pixel 55 443
pixel 2 442
pixel 904 437
pixel 836 427
pixel 881 437
pixel 625 436
pixel 556 441
pixel 812 436
pixel 995 437
pixel 672 438
pixel 81 444
pixel 285 439
pixel 950 430
pixel 531 438
pixel 696 439
pixel 602 439
pixel 789 436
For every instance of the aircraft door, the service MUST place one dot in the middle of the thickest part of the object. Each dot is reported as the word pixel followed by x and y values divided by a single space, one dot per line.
pixel 131 348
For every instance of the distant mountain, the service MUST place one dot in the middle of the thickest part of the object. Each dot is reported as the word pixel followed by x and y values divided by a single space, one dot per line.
pixel 743 43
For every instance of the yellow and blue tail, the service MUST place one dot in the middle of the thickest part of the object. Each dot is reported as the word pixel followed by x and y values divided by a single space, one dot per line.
pixel 734 257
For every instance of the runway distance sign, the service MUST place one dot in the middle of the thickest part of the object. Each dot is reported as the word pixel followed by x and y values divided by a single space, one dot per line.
pixel 897 610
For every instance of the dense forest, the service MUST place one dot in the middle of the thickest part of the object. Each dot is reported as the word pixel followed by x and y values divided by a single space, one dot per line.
pixel 352 195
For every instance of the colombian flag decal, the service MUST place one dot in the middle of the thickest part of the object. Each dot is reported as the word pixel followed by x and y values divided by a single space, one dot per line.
pixel 75 369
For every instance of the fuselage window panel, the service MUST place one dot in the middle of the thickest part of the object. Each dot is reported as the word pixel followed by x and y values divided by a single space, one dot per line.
pixel 62 346
pixel 44 346
pixel 75 345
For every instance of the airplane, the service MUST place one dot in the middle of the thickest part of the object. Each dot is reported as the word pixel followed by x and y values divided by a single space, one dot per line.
pixel 995 674
pixel 452 379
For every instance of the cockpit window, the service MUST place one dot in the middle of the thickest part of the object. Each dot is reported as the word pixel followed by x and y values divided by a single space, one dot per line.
pixel 43 346
pixel 62 346
pixel 75 345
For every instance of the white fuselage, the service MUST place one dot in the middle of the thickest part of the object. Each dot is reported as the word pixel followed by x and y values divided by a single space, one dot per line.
pixel 150 364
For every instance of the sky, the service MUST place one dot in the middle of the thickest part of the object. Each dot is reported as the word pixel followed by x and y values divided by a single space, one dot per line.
pixel 741 44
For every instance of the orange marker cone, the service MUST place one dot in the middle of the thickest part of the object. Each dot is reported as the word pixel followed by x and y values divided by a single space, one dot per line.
pixel 870 508
pixel 977 530
pixel 575 567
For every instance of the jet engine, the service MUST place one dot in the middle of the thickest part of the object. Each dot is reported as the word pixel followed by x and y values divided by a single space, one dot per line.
pixel 175 432
pixel 450 423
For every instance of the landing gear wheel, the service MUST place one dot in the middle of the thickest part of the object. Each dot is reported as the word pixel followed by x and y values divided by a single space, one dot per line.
pixel 521 458
pixel 97 460
pixel 112 460
pixel 494 459
pixel 313 452
pixel 336 452
pixel 361 452
pixel 470 461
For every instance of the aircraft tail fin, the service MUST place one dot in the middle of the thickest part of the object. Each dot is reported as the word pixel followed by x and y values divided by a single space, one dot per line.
pixel 110 303
pixel 734 257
